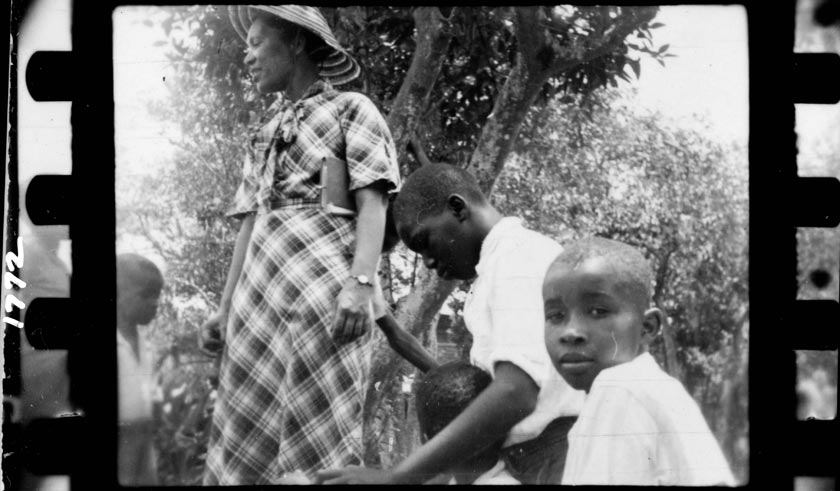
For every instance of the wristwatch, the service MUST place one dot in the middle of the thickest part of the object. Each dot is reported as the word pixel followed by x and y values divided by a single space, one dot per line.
pixel 362 279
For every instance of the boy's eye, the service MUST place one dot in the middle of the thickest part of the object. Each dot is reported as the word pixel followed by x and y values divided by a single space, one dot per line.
pixel 598 311
pixel 554 315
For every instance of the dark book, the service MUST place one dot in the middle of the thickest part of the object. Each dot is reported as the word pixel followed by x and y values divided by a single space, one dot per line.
pixel 335 179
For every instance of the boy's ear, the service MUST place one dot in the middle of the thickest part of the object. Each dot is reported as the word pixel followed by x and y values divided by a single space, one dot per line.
pixel 652 324
pixel 458 206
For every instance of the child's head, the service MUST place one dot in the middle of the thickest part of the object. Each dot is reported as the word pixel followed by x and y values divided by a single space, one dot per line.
pixel 597 296
pixel 139 283
pixel 442 394
pixel 435 215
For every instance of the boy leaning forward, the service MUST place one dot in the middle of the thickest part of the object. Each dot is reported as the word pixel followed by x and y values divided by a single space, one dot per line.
pixel 461 235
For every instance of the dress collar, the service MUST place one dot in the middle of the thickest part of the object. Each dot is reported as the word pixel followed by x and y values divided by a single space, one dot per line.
pixel 288 114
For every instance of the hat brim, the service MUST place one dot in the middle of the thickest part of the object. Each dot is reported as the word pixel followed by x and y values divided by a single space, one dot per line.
pixel 338 67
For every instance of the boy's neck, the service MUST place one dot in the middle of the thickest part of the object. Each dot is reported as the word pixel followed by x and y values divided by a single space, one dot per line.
pixel 486 218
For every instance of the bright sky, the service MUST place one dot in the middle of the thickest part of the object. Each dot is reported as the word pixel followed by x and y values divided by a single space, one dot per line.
pixel 709 75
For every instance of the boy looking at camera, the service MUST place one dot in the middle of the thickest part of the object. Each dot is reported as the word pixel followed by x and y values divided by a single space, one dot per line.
pixel 638 425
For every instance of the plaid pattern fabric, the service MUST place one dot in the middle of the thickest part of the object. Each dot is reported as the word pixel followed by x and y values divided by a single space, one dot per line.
pixel 299 135
pixel 289 398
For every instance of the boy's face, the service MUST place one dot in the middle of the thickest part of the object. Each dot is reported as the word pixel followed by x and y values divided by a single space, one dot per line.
pixel 137 301
pixel 591 323
pixel 447 244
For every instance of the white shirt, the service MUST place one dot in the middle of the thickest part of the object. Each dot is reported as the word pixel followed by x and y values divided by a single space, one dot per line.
pixel 497 475
pixel 136 380
pixel 504 313
pixel 639 426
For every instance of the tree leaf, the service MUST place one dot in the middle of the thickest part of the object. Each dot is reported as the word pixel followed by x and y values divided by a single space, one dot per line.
pixel 636 66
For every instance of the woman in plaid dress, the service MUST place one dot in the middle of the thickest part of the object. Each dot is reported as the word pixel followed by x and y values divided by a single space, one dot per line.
pixel 294 320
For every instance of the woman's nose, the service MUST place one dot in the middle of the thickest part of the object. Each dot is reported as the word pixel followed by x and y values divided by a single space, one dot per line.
pixel 429 262
pixel 249 58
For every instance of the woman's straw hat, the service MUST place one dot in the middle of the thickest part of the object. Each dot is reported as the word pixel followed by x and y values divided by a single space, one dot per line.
pixel 339 67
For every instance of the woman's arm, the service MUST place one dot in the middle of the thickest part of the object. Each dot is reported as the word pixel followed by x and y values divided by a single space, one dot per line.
pixel 212 332
pixel 353 312
pixel 406 345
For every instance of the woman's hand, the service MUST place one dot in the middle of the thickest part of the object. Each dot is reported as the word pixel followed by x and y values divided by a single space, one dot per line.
pixel 354 312
pixel 211 335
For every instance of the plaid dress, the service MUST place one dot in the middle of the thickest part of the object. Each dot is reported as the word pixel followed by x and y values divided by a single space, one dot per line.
pixel 289 397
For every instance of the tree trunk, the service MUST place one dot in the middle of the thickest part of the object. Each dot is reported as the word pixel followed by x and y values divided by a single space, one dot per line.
pixel 432 42
pixel 672 364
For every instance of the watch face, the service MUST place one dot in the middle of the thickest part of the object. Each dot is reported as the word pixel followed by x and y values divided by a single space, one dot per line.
pixel 363 279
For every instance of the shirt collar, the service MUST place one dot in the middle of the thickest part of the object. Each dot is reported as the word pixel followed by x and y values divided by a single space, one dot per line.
pixel 493 237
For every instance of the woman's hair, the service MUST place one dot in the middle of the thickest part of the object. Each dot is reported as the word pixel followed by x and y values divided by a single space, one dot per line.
pixel 314 47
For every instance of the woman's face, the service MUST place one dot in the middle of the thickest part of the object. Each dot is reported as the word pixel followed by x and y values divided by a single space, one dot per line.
pixel 268 58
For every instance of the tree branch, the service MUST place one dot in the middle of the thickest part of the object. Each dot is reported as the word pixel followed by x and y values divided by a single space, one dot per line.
pixel 623 26
pixel 417 148
pixel 432 42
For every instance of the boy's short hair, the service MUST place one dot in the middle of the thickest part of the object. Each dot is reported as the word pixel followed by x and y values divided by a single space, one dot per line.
pixel 425 191
pixel 134 269
pixel 636 276
pixel 444 392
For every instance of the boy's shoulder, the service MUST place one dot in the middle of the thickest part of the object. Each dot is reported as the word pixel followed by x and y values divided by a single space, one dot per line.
pixel 643 383
pixel 511 239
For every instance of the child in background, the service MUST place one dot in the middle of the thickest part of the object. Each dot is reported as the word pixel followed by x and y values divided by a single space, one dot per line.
pixel 441 395
pixel 139 284
pixel 638 425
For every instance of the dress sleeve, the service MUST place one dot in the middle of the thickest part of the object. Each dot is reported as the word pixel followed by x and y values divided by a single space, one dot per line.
pixel 245 199
pixel 369 147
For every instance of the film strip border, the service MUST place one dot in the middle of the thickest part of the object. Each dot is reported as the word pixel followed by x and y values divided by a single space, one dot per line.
pixel 816 203
pixel 85 446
